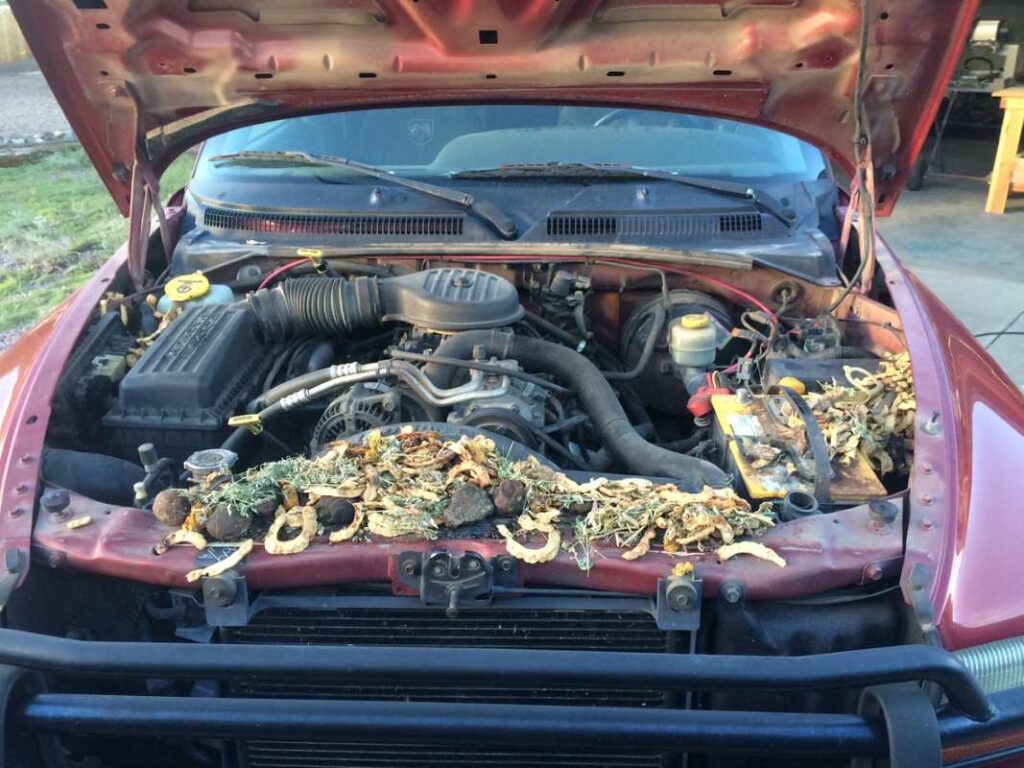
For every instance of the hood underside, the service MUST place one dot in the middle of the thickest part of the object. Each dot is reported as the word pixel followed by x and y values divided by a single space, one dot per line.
pixel 149 78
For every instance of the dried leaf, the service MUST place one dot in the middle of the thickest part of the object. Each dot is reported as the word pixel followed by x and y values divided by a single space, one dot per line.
pixel 754 548
pixel 549 551
pixel 346 533
pixel 642 548
pixel 275 546
pixel 180 536
pixel 682 569
pixel 221 566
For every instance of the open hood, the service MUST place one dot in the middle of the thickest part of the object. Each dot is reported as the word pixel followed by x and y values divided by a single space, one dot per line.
pixel 142 80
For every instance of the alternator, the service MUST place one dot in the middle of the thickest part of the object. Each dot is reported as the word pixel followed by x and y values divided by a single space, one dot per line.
pixel 360 408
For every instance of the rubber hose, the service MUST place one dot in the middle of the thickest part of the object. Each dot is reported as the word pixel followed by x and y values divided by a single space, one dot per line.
pixel 321 356
pixel 318 306
pixel 645 355
pixel 598 400
pixel 460 346
pixel 104 478
pixel 292 386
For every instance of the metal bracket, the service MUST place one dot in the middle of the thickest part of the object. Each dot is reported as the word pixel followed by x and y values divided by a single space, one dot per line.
pixel 11 569
pixel 678 603
pixel 226 600
pixel 920 601
pixel 455 581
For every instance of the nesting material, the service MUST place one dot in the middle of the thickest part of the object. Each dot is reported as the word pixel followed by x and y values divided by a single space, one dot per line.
pixel 870 414
pixel 415 485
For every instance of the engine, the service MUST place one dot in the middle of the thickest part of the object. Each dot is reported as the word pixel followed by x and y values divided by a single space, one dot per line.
pixel 671 383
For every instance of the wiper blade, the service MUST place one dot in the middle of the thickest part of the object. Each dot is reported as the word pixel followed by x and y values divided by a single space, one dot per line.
pixel 756 197
pixel 498 219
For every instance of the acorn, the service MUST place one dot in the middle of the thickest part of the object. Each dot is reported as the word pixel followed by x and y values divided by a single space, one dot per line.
pixel 334 511
pixel 171 507
pixel 227 523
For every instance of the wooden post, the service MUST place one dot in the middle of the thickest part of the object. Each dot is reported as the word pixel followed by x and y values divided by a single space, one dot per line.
pixel 1012 102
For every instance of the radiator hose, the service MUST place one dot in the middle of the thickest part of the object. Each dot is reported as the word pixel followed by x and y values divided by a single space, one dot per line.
pixel 596 396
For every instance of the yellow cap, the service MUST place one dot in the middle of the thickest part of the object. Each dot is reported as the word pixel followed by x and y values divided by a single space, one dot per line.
pixel 695 321
pixel 791 382
pixel 187 287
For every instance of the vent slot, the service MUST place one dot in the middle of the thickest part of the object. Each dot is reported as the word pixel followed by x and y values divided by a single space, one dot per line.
pixel 582 226
pixel 334 224
pixel 740 222
pixel 676 225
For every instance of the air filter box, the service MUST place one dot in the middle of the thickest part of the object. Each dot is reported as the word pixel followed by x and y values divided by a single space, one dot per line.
pixel 181 392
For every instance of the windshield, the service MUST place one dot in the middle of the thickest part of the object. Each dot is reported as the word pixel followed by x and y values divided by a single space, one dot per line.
pixel 444 140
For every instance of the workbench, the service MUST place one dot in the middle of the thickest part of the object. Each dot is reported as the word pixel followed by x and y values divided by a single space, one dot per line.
pixel 1008 170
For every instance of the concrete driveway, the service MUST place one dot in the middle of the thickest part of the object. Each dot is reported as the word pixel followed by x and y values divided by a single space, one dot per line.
pixel 972 260
pixel 27 107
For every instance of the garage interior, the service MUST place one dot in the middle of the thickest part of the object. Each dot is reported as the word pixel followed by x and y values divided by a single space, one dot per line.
pixel 972 260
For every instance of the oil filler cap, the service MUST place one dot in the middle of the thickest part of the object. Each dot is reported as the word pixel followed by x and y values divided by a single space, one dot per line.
pixel 187 287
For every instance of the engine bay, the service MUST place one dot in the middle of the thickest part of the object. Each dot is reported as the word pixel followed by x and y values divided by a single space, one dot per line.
pixel 542 405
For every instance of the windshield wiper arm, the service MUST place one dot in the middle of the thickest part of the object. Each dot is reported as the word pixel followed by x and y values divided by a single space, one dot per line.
pixel 758 198
pixel 498 219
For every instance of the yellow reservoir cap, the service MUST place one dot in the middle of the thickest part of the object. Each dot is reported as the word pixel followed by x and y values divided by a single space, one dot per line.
pixel 694 321
pixel 791 382
pixel 187 287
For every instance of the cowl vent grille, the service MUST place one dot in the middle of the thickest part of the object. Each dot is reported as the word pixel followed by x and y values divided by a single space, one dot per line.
pixel 333 224
pixel 740 222
pixel 582 226
pixel 683 225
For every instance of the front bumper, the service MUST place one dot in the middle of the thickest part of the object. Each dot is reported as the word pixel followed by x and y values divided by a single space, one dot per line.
pixel 967 721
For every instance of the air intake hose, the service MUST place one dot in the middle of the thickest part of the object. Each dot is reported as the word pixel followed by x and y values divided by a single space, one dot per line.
pixel 442 299
pixel 317 306
pixel 595 394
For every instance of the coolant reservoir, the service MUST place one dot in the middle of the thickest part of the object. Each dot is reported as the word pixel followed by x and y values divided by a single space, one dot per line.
pixel 194 288
pixel 692 341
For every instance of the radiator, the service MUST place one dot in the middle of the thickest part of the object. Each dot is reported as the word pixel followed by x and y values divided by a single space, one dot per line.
pixel 500 626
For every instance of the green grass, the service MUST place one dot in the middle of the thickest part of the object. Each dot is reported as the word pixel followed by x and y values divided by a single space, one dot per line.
pixel 58 225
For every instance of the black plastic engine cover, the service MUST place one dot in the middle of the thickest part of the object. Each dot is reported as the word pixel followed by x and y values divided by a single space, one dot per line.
pixel 180 393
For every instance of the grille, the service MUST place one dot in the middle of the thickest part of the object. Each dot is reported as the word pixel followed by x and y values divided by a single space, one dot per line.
pixel 662 225
pixel 740 222
pixel 288 754
pixel 333 224
pixel 585 226
pixel 478 628
pixel 495 627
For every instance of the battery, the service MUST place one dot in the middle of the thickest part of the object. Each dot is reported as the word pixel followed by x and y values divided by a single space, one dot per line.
pixel 766 452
